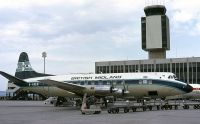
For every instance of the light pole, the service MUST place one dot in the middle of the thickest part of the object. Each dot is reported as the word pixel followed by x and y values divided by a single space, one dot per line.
pixel 44 55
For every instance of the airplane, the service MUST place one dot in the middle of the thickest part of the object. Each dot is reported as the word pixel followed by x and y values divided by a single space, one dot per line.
pixel 137 85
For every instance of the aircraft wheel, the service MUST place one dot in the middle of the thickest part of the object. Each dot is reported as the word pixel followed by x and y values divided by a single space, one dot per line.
pixel 144 108
pixel 113 111
pixel 150 108
pixel 134 109
pixel 117 110
pixel 186 106
pixel 126 110
pixel 97 112
pixel 158 107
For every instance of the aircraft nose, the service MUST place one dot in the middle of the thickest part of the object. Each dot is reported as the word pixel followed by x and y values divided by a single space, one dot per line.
pixel 188 88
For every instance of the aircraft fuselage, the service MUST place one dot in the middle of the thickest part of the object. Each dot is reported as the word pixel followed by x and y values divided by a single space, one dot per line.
pixel 153 84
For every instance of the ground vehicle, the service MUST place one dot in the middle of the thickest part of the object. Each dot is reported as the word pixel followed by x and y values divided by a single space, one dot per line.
pixel 89 109
pixel 126 106
pixel 50 100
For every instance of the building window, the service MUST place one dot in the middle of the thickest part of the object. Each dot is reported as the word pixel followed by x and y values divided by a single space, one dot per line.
pixel 165 68
pixel 157 67
pixel 115 69
pixel 149 68
pixel 198 72
pixel 112 69
pixel 173 68
pixel 126 68
pixel 145 68
pixel 141 68
pixel 106 69
pixel 161 67
pixel 131 68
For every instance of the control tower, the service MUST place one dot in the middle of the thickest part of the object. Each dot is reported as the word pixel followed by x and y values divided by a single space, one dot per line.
pixel 155 31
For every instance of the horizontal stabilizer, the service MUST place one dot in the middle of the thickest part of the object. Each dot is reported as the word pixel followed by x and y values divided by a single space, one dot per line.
pixel 14 79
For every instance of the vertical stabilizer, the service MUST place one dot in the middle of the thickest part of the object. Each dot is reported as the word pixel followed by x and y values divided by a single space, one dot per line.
pixel 24 69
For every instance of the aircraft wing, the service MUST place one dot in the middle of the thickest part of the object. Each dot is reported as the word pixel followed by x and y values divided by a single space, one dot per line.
pixel 15 80
pixel 65 85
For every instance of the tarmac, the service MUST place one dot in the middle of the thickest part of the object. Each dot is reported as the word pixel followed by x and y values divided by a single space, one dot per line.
pixel 36 112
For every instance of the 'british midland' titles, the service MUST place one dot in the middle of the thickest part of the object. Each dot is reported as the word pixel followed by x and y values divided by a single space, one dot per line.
pixel 96 78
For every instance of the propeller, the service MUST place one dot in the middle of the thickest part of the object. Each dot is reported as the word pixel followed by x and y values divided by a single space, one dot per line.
pixel 125 89
pixel 112 88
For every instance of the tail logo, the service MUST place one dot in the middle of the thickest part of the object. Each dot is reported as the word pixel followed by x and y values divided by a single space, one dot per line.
pixel 24 66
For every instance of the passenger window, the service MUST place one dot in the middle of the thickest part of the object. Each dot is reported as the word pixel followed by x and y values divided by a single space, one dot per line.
pixel 170 77
pixel 174 76
pixel 144 81
pixel 150 81
pixel 140 81
pixel 100 82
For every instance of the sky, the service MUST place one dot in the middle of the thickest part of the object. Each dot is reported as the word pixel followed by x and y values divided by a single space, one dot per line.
pixel 77 33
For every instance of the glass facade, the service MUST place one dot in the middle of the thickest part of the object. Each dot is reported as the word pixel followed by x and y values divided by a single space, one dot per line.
pixel 186 69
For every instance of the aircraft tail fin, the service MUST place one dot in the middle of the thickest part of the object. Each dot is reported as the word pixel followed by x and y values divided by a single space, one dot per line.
pixel 24 69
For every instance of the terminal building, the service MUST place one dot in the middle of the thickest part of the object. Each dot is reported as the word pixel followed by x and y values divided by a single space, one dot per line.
pixel 186 69
pixel 155 40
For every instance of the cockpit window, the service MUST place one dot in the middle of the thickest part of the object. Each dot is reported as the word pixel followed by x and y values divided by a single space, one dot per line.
pixel 172 77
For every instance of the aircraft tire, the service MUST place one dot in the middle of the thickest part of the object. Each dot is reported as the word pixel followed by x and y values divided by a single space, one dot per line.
pixel 117 110
pixel 126 110
pixel 134 109
pixel 158 107
pixel 176 107
pixel 150 108
pixel 144 108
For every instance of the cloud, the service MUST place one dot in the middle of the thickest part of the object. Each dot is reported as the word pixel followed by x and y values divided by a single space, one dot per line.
pixel 74 33
pixel 185 16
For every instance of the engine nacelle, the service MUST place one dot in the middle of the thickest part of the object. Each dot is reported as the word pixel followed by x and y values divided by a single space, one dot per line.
pixel 109 90
pixel 121 91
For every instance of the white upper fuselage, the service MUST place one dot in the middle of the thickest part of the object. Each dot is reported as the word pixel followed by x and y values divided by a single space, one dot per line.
pixel 111 76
